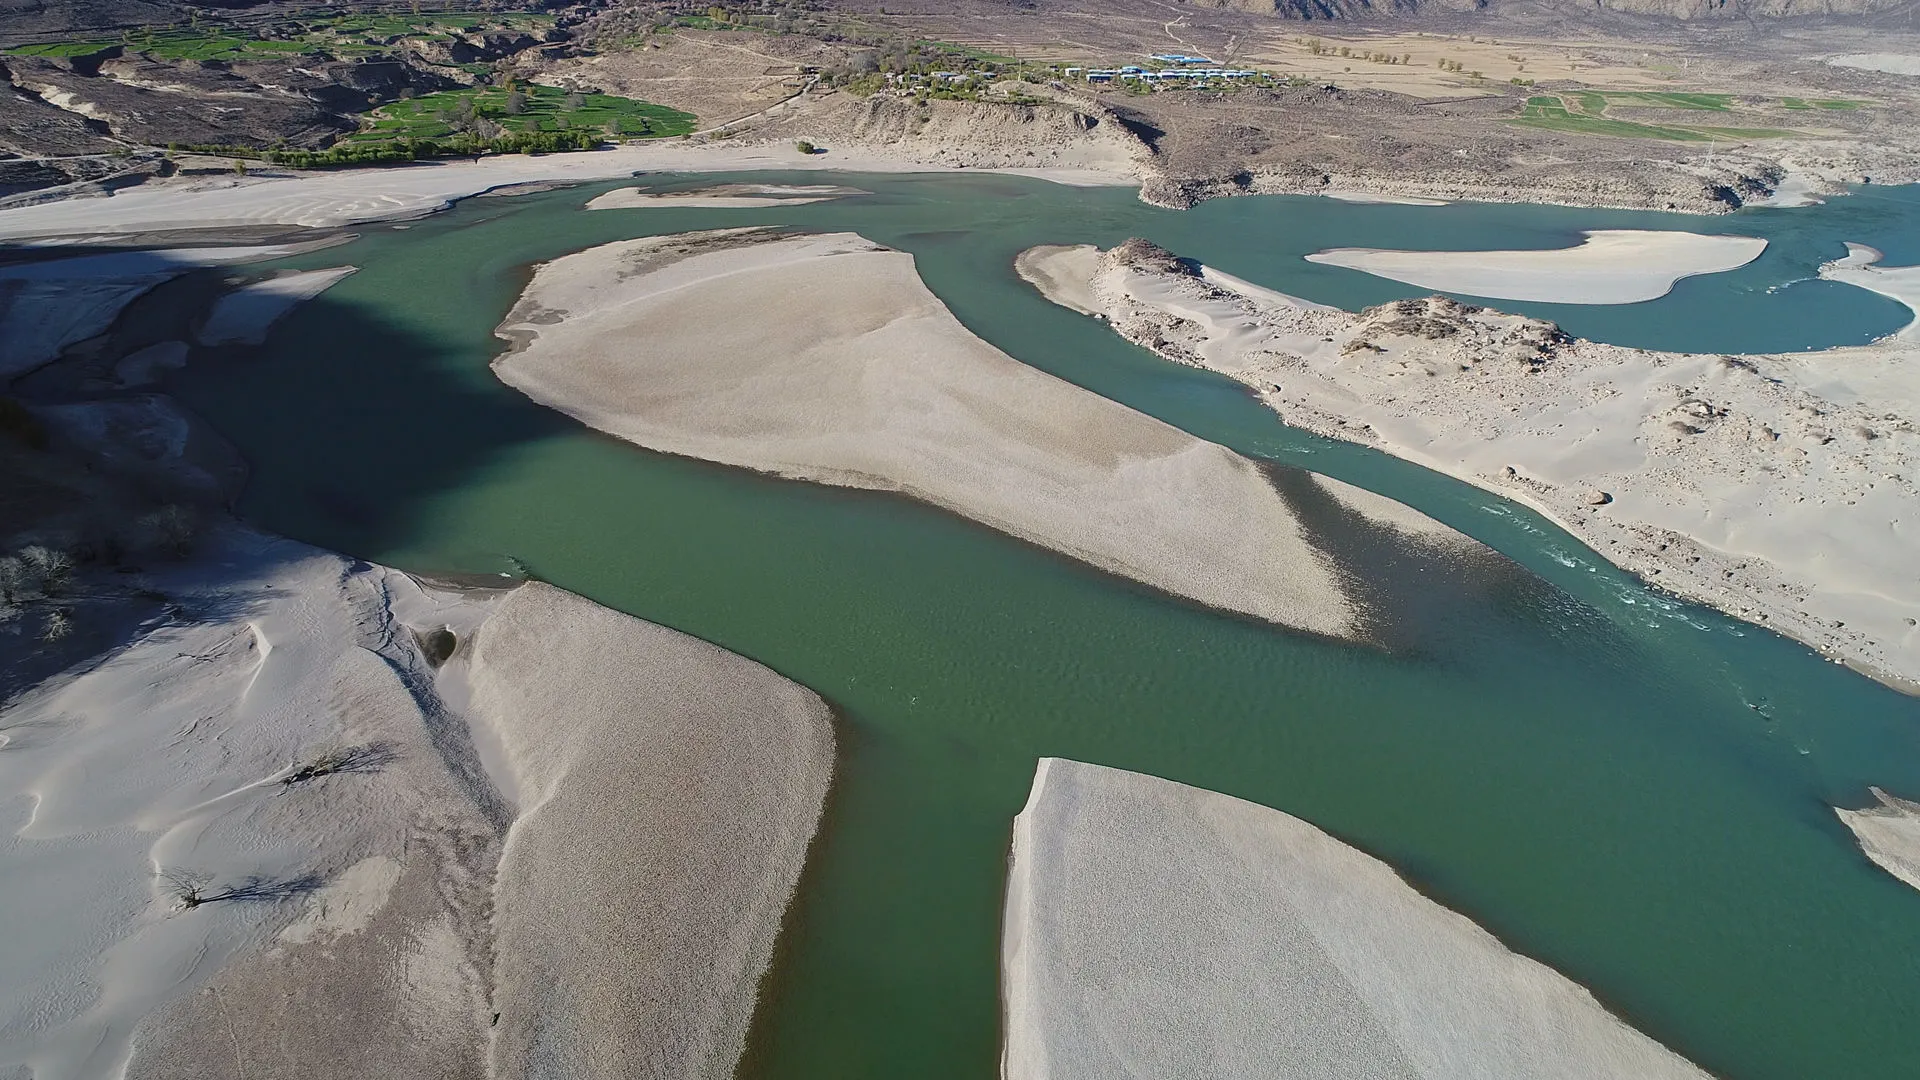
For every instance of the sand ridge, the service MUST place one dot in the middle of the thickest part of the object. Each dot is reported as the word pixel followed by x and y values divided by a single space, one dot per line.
pixel 1158 930
pixel 1610 266
pixel 851 372
pixel 1780 489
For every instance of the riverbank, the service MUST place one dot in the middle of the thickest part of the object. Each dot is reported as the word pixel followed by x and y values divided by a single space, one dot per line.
pixel 1777 489
pixel 825 358
pixel 339 198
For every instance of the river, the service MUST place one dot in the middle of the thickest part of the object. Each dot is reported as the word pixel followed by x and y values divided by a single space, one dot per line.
pixel 1628 788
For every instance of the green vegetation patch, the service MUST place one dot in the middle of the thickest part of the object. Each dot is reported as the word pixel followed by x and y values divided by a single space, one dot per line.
pixel 60 48
pixel 1554 114
pixel 540 109
pixel 1662 100
pixel 1821 103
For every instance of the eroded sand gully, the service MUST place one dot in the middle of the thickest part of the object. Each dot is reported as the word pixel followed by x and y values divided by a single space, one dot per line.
pixel 1780 489
pixel 825 358
pixel 1157 930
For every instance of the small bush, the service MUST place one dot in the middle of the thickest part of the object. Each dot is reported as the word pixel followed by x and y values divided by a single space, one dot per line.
pixel 58 625
pixel 805 147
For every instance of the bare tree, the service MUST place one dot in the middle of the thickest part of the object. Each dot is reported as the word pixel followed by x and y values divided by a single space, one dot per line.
pixel 58 625
pixel 50 566
pixel 516 103
pixel 15 579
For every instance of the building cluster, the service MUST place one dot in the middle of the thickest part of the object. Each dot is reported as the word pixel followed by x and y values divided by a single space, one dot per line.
pixel 1133 73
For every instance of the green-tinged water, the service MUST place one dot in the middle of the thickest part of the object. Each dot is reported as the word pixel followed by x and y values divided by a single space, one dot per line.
pixel 1630 789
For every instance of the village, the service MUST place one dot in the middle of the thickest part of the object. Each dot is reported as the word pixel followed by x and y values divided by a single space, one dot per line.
pixel 968 74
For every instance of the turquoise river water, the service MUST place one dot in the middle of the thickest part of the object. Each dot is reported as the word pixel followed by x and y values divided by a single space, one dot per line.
pixel 1628 788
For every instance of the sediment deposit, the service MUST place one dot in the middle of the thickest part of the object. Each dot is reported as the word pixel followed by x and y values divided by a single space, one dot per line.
pixel 825 358
pixel 1780 489
pixel 1611 266
pixel 1159 930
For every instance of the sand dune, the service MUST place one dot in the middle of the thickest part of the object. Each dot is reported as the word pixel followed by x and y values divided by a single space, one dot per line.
pixel 603 858
pixel 825 358
pixel 1156 930
pixel 1780 489
pixel 1612 266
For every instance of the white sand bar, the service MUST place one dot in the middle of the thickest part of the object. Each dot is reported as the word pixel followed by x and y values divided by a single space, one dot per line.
pixel 1371 198
pixel 1613 266
pixel 1861 268
pixel 245 315
pixel 1155 930
pixel 1889 834
pixel 667 790
pixel 1062 273
pixel 825 358
pixel 721 197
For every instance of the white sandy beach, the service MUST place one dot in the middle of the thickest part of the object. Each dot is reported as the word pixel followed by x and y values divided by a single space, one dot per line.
pixel 1889 834
pixel 1156 930
pixel 1780 489
pixel 1612 266
pixel 721 197
pixel 851 372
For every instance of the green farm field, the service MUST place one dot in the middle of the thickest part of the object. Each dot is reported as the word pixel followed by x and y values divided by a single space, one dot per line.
pixel 1584 113
pixel 545 109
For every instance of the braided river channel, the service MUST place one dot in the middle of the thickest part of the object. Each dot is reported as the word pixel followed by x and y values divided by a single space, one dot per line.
pixel 1624 786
